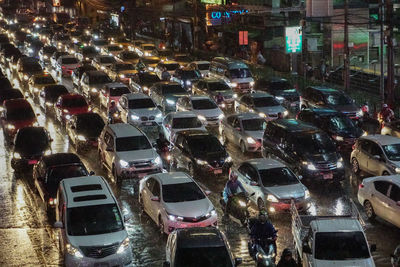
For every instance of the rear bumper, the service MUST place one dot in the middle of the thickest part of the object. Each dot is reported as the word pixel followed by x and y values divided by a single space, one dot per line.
pixel 138 173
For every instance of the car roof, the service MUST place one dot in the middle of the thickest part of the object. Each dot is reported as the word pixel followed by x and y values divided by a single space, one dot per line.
pixel 87 115
pixel 95 73
pixel 151 57
pixel 115 84
pixel 167 83
pixel 246 116
pixel 198 97
pixel 325 89
pixel 324 111
pixel 72 95
pixel 173 178
pixel 258 94
pixel 183 114
pixel 395 179
pixel 295 125
pixel 55 86
pixel 381 139
pixel 103 56
pixel 265 163
pixel 277 79
pixel 232 63
pixel 61 159
pixel 336 225
pixel 136 96
pixel 18 102
pixel 43 74
pixel 97 191
pixel 212 80
pixel 188 133
pixel 199 237
pixel 169 62
pixel 67 56
pixel 201 62
pixel 124 130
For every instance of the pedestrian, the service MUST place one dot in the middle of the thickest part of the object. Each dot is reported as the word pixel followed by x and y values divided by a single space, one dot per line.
pixel 287 259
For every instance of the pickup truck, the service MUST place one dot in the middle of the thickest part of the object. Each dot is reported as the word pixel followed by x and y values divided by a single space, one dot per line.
pixel 324 241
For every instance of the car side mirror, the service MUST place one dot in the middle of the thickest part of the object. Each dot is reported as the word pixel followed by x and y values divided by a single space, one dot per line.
pixel 373 247
pixel 238 261
pixel 377 157
pixel 58 225
pixel 207 192
pixel 252 183
pixel 166 264
pixel 307 249
pixel 155 198
pixel 91 173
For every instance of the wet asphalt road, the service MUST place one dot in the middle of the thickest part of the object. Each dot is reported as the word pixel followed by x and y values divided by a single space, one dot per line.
pixel 28 238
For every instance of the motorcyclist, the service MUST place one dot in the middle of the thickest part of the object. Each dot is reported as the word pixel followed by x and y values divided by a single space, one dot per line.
pixel 112 110
pixel 395 257
pixel 232 187
pixel 386 114
pixel 287 259
pixel 365 109
pixel 263 230
pixel 162 142
pixel 165 75
pixel 219 98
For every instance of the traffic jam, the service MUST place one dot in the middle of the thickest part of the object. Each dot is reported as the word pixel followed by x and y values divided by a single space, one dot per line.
pixel 119 152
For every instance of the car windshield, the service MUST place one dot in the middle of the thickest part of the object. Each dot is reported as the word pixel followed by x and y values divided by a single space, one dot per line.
pixel 203 66
pixel 205 145
pixel 164 53
pixel 339 246
pixel 190 74
pixel 33 68
pixel 182 58
pixel 240 73
pixel 254 125
pixel 20 114
pixel 141 103
pixel 338 99
pixel 63 38
pixel 218 86
pixel 203 256
pixel 54 93
pixel 74 102
pixel 49 49
pixel 277 177
pixel 99 79
pixel 100 42
pixel 183 123
pixel 57 173
pixel 181 192
pixel 130 55
pixel 265 102
pixel 114 48
pixel 148 47
pixel 89 50
pixel 70 60
pixel 173 66
pixel 94 220
pixel 173 89
pixel 132 143
pixel 107 60
pixel 338 123
pixel 121 67
pixel 150 60
pixel 281 85
pixel 118 91
pixel 203 104
pixel 90 126
pixel 44 80
pixel 314 143
pixel 32 142
pixel 146 77
pixel 392 151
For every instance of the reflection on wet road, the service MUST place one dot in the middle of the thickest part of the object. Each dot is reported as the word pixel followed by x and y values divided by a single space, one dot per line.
pixel 28 238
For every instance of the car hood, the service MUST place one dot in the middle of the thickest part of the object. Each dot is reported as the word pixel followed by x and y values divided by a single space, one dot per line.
pixel 145 111
pixel 346 263
pixel 71 66
pixel 77 110
pixel 98 240
pixel 349 132
pixel 286 191
pixel 347 108
pixel 323 157
pixel 224 93
pixel 134 155
pixel 396 163
pixel 174 96
pixel 195 208
pixel 208 112
pixel 243 80
pixel 271 110
pixel 212 158
pixel 255 134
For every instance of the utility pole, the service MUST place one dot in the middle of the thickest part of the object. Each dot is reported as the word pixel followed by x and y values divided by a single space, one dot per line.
pixel 195 25
pixel 382 78
pixel 390 52
pixel 346 47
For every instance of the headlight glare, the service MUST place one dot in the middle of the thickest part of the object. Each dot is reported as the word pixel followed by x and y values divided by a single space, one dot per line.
pixel 123 163
pixel 124 245
pixel 272 198
pixel 73 251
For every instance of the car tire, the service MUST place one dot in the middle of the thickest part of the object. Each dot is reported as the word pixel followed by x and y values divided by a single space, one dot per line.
pixel 260 204
pixel 369 210
pixel 243 147
pixel 385 173
pixel 355 166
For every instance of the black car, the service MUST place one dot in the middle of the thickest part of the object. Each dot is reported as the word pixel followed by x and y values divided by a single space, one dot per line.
pixel 49 94
pixel 199 246
pixel 50 170
pixel 143 80
pixel 340 127
pixel 5 84
pixel 78 72
pixel 308 150
pixel 9 94
pixel 84 130
pixel 30 144
pixel 186 77
pixel 200 152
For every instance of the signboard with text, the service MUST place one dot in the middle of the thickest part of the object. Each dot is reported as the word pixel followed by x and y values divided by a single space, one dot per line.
pixel 293 37
pixel 243 38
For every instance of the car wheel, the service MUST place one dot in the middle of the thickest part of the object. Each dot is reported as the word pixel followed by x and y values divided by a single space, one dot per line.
pixel 224 139
pixel 260 204
pixel 369 210
pixel 355 167
pixel 243 147
pixel 385 173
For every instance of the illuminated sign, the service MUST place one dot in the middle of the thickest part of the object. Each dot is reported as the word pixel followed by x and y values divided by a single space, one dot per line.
pixel 212 2
pixel 293 39
pixel 222 17
pixel 243 38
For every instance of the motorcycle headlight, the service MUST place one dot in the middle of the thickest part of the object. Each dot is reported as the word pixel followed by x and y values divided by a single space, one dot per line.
pixel 235 96
pixel 134 117
pixel 201 162
pixel 242 203
pixel 81 138
pixel 252 83
pixel 68 117
pixel 16 155
pixel 86 58
pixel 46 57
pixel 188 83
pixel 122 76
pixel 339 164
pixel 233 84
pixel 272 198
pixel 306 194
pixel 150 68
pixel 170 102
pixel 26 77
pixel 250 140
pixel 47 152
pixel 285 113
pixel 145 88
pixel 73 251
pixel 123 163
pixel 124 245
pixel 262 115
pixel 201 117
pixel 93 90
pixel 221 116
pixel 229 159
pixel 102 68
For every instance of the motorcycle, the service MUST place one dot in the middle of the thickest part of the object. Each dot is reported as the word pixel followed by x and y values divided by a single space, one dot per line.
pixel 237 207
pixel 114 118
pixel 263 250
pixel 165 155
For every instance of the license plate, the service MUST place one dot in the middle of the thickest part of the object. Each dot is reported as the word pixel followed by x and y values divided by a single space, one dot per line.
pixel 32 161
pixel 293 104
pixel 148 123
pixel 219 171
pixel 328 176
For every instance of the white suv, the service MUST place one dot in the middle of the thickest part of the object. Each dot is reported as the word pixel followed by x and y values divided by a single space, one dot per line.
pixel 91 226
pixel 127 152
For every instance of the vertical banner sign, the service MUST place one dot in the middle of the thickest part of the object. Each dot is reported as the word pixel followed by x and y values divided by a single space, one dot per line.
pixel 293 39
pixel 243 38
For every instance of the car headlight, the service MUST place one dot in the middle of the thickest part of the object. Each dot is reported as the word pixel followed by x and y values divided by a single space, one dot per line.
pixel 211 213
pixel 279 98
pixel 228 159
pixel 233 84
pixel 81 138
pixel 175 218
pixel 250 140
pixel 65 110
pixel 97 48
pixel 285 113
pixel 306 194
pixel 159 115
pixel 252 83
pixel 397 170
pixel 242 203
pixel 124 245
pixel 10 127
pixel 68 116
pixel 221 116
pixel 47 152
pixel 123 163
pixel 338 138
pixel 26 77
pixel 235 96
pixel 340 164
pixel 122 76
pixel 201 162
pixel 46 57
pixel 145 88
pixel 272 198
pixel 188 83
pixel 86 58
pixel 359 113
pixel 170 102
pixel 93 90
pixel 73 251
pixel 16 155
pixel 262 115
pixel 102 68
pixel 157 160
pixel 310 166
pixel 365 133
pixel 150 68
pixel 134 117
pixel 201 117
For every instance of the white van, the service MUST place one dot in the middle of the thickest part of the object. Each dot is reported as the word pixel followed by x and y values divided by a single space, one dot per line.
pixel 91 225
pixel 234 72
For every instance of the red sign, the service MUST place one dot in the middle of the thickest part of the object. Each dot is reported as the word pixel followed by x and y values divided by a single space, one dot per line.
pixel 243 38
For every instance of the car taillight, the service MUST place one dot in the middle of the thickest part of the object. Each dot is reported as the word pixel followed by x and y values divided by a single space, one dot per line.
pixel 63 67
pixel 361 186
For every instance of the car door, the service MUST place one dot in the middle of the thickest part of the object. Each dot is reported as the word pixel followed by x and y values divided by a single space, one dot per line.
pixel 363 154
pixel 250 181
pixel 166 126
pixel 154 206
pixel 393 205
pixel 123 109
pixel 236 131
pixel 186 156
pixel 228 127
pixel 109 149
pixel 180 104
pixel 375 161
pixel 146 195
pixel 379 197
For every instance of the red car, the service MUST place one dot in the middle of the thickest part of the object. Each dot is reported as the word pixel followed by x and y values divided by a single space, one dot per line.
pixel 17 114
pixel 70 104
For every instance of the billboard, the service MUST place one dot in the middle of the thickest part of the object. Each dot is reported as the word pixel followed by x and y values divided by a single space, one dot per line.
pixel 293 39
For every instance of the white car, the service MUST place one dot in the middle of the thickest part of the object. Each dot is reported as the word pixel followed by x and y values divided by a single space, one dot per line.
pixel 180 121
pixel 170 66
pixel 202 66
pixel 206 109
pixel 103 62
pixel 380 196
pixel 139 109
pixel 174 200
pixel 146 50
pixel 111 50
pixel 66 65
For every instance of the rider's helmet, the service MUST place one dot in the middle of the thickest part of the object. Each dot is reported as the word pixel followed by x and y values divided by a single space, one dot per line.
pixel 233 175
pixel 263 216
pixel 112 103
pixel 385 105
